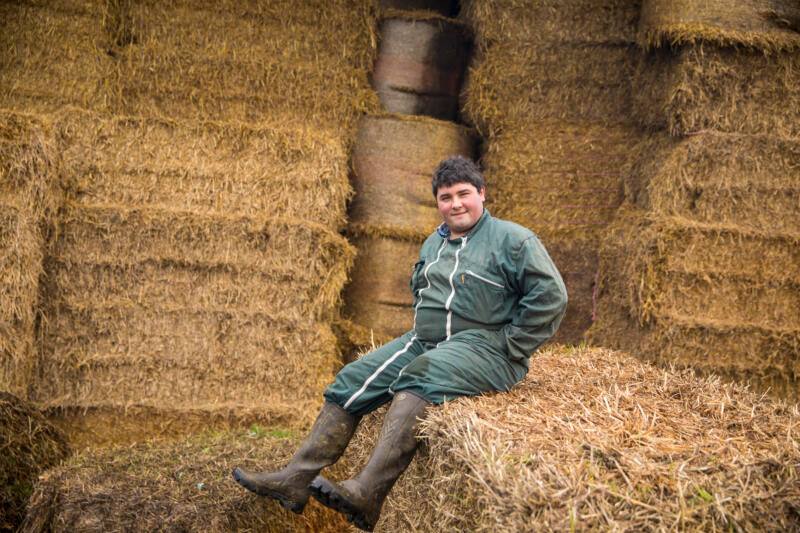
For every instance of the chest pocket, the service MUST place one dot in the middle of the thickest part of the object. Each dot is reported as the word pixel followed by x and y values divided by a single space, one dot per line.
pixel 481 296
pixel 472 278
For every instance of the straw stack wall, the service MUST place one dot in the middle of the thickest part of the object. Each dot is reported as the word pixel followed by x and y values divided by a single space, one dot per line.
pixel 30 192
pixel 198 267
pixel 729 89
pixel 701 267
pixel 549 88
pixel 618 444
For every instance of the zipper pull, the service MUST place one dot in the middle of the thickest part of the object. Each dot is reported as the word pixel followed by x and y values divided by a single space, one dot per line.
pixel 462 278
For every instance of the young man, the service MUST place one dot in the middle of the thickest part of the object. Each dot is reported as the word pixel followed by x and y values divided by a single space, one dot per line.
pixel 486 296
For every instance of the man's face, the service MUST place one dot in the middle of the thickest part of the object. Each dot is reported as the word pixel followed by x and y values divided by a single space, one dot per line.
pixel 461 205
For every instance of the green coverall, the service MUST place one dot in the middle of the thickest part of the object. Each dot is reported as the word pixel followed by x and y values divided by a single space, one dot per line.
pixel 483 303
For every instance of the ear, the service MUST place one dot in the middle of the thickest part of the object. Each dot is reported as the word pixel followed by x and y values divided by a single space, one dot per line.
pixel 482 193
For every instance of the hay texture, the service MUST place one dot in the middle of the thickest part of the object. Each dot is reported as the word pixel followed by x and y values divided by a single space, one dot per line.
pixel 550 90
pixel 185 486
pixel 198 267
pixel 609 21
pixel 594 440
pixel 30 192
pixel 697 271
pixel 30 445
pixel 708 87
pixel 276 169
pixel 247 60
pixel 701 265
pixel 762 24
pixel 55 53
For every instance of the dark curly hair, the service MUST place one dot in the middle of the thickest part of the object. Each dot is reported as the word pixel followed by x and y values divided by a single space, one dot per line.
pixel 457 169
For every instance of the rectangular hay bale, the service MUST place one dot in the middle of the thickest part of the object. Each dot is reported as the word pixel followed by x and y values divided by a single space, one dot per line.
pixel 274 169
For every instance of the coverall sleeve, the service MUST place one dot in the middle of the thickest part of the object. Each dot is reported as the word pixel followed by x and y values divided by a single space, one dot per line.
pixel 542 303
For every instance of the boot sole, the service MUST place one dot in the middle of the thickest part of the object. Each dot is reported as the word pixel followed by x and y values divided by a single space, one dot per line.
pixel 325 493
pixel 286 503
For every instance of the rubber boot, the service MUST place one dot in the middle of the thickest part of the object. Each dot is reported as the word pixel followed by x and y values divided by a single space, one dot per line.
pixel 360 499
pixel 325 443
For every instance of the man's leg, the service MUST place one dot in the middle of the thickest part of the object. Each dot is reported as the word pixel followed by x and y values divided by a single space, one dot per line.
pixel 469 364
pixel 359 388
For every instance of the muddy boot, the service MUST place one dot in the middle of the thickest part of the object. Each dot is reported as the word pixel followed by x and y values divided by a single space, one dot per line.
pixel 360 499
pixel 324 445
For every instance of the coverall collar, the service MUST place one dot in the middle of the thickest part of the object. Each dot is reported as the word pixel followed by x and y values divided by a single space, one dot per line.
pixel 444 231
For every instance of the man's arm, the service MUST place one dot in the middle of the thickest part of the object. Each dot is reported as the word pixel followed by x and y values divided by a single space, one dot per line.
pixel 543 299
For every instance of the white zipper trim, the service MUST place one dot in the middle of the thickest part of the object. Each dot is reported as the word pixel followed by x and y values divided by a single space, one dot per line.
pixel 380 369
pixel 448 326
pixel 490 282
pixel 425 273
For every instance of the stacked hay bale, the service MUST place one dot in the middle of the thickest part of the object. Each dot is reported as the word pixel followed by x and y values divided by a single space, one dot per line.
pixel 199 266
pixel 549 90
pixel 597 440
pixel 177 487
pixel 30 189
pixel 417 75
pixel 702 267
pixel 30 445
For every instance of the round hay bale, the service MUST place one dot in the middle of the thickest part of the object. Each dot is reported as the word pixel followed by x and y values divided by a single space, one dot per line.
pixel 394 158
pixel 378 297
pixel 426 56
pixel 29 444
pixel 409 103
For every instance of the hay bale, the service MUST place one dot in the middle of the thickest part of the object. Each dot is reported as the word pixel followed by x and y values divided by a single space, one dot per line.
pixel 720 178
pixel 99 427
pixel 618 444
pixel 420 64
pixel 248 61
pixel 30 445
pixel 30 192
pixel 552 21
pixel 565 182
pixel 183 359
pixel 378 296
pixel 764 24
pixel 708 87
pixel 394 157
pixel 114 235
pixel 274 169
pixel 53 54
pixel 182 486
pixel 513 83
